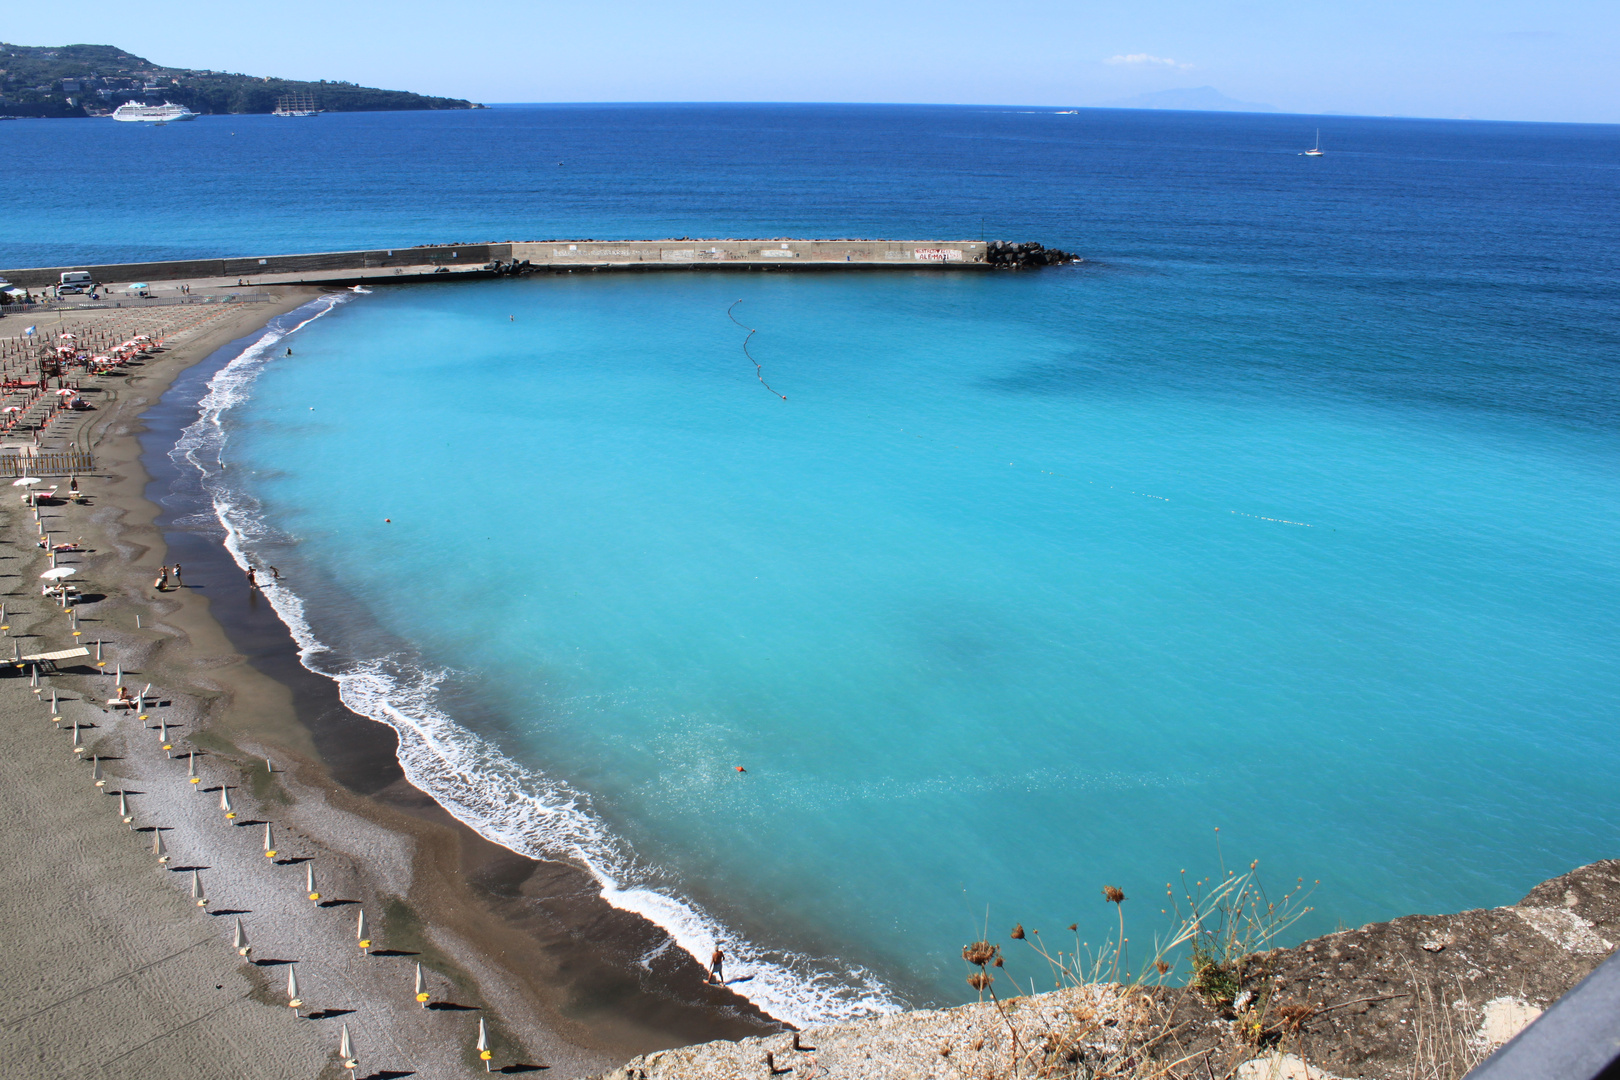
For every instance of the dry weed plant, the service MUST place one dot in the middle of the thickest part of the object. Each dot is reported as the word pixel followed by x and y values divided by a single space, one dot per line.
pixel 1446 1048
pixel 1114 1026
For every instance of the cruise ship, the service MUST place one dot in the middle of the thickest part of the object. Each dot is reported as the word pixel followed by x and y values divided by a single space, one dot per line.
pixel 153 114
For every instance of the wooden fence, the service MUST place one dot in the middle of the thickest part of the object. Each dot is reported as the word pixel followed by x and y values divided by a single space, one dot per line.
pixel 61 463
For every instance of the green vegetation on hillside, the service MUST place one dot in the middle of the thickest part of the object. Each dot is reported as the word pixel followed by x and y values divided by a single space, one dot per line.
pixel 87 80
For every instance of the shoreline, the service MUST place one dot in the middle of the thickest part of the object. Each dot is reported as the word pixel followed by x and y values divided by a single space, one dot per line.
pixel 552 962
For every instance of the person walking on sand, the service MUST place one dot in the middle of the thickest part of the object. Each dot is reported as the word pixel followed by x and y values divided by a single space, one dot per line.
pixel 275 574
pixel 253 579
pixel 716 962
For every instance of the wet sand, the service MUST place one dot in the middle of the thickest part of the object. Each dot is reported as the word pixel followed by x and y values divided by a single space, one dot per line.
pixel 115 968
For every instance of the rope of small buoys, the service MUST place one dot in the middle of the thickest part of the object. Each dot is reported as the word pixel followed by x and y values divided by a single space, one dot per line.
pixel 759 371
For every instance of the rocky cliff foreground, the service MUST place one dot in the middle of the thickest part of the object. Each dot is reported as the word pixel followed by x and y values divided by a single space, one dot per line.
pixel 1422 996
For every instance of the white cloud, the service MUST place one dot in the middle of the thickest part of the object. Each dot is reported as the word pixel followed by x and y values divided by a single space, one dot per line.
pixel 1142 59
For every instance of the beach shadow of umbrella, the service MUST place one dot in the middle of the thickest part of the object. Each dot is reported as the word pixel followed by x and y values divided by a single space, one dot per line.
pixel 393 952
pixel 328 1014
pixel 522 1068
pixel 387 1074
pixel 270 963
pixel 336 903
pixel 231 911
pixel 293 860
pixel 448 1006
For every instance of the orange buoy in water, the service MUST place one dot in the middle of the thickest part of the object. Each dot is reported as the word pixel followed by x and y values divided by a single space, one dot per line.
pixel 739 768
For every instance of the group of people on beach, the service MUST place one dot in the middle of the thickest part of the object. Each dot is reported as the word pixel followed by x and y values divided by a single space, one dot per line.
pixel 162 582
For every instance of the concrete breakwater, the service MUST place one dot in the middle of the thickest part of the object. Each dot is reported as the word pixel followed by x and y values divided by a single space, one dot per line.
pixel 392 264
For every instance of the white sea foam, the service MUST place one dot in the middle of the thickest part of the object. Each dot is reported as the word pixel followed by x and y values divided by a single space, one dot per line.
pixel 500 798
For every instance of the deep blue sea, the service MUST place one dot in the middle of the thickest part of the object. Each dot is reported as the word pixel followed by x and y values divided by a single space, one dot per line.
pixel 1295 512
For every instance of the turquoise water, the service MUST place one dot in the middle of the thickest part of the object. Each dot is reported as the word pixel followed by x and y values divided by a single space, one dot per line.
pixel 1293 514
pixel 976 642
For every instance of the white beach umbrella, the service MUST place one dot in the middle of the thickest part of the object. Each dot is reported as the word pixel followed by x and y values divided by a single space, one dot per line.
pixel 197 893
pixel 269 842
pixel 309 881
pixel 360 930
pixel 346 1051
pixel 294 1002
pixel 95 772
pixel 421 986
pixel 225 802
pixel 239 940
pixel 123 810
pixel 56 573
pixel 158 847
pixel 191 768
pixel 483 1044
pixel 24 481
pixel 78 746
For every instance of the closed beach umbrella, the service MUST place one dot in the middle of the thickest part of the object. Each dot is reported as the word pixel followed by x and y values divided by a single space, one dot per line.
pixel 421 986
pixel 309 881
pixel 225 802
pixel 191 771
pixel 346 1052
pixel 269 842
pixel 197 893
pixel 78 746
pixel 239 940
pixel 158 849
pixel 360 930
pixel 123 810
pixel 95 773
pixel 483 1044
pixel 294 1002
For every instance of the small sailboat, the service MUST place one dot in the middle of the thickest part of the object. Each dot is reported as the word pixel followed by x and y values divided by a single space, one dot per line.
pixel 1316 151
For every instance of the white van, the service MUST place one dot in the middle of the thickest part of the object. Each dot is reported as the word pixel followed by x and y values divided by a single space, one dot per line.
pixel 75 281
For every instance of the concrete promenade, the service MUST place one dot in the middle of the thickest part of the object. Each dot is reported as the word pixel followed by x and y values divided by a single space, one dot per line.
pixel 395 264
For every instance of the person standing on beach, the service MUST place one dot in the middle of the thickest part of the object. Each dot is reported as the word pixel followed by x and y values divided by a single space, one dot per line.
pixel 716 962
pixel 253 579
pixel 177 582
pixel 162 581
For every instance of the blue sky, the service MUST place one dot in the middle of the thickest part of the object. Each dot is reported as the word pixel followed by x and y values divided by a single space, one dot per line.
pixel 1489 59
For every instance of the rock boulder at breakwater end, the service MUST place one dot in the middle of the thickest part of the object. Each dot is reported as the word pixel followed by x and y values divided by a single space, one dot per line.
pixel 1422 995
pixel 1015 256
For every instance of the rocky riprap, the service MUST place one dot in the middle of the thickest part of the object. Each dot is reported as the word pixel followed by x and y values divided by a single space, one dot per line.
pixel 1016 256
pixel 1423 995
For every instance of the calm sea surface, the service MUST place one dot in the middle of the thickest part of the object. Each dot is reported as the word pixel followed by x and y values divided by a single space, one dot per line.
pixel 1296 512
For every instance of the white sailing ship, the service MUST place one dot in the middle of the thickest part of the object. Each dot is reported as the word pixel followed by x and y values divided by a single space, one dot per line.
pixel 296 104
pixel 152 114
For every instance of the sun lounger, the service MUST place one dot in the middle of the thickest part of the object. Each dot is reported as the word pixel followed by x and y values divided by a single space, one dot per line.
pixel 47 660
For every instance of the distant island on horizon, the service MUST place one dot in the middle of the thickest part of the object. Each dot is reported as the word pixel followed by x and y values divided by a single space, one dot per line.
pixel 92 80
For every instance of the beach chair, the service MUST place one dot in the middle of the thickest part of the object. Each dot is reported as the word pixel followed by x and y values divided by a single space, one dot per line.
pixel 47 660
